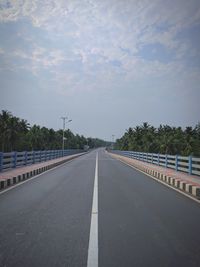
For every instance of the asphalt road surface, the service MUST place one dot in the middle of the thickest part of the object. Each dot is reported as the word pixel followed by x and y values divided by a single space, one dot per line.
pixel 97 211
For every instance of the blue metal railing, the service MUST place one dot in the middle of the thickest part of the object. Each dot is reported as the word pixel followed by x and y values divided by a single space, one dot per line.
pixel 16 159
pixel 189 164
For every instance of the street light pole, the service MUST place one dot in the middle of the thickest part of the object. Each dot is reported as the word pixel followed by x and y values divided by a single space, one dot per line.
pixel 113 136
pixel 63 137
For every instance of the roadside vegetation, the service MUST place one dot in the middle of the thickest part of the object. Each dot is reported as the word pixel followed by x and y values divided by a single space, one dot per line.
pixel 17 135
pixel 164 140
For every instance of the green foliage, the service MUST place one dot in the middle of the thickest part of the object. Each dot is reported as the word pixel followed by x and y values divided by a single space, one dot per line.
pixel 17 135
pixel 163 140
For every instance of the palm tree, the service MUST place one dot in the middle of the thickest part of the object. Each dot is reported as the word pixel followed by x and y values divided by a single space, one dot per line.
pixel 13 131
pixel 5 117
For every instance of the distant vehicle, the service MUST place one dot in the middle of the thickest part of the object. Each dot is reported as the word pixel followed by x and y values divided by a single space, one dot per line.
pixel 86 148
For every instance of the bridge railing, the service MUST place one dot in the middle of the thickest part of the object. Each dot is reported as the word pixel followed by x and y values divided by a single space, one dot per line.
pixel 189 164
pixel 16 159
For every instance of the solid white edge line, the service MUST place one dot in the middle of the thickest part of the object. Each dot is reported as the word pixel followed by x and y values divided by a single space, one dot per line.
pixel 159 181
pixel 34 177
pixel 92 260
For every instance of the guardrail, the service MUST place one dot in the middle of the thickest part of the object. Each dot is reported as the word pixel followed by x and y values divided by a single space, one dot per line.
pixel 189 164
pixel 16 159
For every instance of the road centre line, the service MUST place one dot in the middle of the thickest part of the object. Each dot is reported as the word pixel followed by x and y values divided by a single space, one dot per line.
pixel 92 260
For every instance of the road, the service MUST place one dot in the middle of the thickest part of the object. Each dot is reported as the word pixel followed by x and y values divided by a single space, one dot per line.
pixel 140 222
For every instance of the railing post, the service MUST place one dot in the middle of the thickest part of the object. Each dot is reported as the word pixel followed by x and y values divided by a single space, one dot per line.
pixel 158 159
pixel 176 162
pixel 33 157
pixel 25 158
pixel 152 158
pixel 14 159
pixel 190 165
pixel 166 160
pixel 40 155
pixel 1 161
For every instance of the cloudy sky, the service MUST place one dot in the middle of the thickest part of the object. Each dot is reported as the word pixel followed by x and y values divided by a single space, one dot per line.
pixel 107 64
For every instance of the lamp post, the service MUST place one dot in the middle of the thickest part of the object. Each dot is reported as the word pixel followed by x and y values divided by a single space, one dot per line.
pixel 65 120
pixel 113 136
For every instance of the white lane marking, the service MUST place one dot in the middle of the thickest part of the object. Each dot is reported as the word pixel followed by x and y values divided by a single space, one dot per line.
pixel 159 181
pixel 92 260
pixel 34 177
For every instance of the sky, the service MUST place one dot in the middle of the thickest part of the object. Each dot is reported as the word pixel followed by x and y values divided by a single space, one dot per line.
pixel 106 64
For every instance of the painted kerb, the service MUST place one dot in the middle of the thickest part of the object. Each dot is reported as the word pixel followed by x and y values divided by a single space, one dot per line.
pixel 182 185
pixel 36 169
pixel 189 164
pixel 16 159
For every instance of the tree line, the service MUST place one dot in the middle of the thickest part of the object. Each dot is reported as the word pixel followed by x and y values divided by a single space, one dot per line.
pixel 164 140
pixel 17 135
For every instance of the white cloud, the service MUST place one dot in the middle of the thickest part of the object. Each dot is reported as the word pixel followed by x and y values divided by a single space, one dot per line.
pixel 38 11
pixel 2 51
pixel 111 24
pixel 103 33
pixel 39 59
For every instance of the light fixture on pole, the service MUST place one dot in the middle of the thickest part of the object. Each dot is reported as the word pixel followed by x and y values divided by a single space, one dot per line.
pixel 113 136
pixel 65 120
